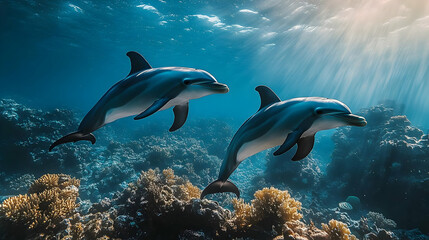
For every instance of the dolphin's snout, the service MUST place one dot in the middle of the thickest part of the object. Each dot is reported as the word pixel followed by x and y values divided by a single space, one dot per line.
pixel 218 87
pixel 353 120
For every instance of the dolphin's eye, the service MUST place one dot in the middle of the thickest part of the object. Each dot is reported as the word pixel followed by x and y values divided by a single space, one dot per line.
pixel 320 111
pixel 195 81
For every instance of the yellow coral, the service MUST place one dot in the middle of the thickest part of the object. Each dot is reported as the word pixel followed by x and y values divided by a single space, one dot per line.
pixel 243 213
pixel 188 191
pixel 51 198
pixel 169 176
pixel 49 181
pixel 163 189
pixel 338 230
pixel 22 209
pixel 270 207
pixel 298 230
pixel 274 203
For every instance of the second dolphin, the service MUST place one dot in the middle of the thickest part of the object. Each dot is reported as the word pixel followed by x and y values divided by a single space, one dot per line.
pixel 284 123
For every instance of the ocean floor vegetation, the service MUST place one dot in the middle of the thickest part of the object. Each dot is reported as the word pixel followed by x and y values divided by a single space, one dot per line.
pixel 147 185
pixel 158 205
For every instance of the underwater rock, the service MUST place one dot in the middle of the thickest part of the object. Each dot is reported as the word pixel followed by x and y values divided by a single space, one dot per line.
pixel 385 160
pixel 379 221
pixel 414 234
pixel 381 235
pixel 29 132
pixel 192 235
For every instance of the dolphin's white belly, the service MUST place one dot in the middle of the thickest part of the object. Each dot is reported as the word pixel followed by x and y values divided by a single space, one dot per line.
pixel 175 101
pixel 124 111
pixel 269 140
pixel 138 106
pixel 134 107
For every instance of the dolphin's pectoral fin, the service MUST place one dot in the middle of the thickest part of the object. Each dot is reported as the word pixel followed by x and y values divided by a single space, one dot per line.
pixel 138 63
pixel 305 145
pixel 267 96
pixel 180 116
pixel 73 137
pixel 158 104
pixel 219 186
pixel 292 139
pixel 295 136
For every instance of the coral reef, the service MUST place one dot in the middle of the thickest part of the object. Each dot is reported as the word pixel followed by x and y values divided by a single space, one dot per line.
pixel 297 175
pixel 18 184
pixel 385 160
pixel 50 199
pixel 272 205
pixel 29 132
pixel 135 202
pixel 338 231
pixel 158 205
pixel 380 235
pixel 379 221
pixel 269 209
pixel 115 160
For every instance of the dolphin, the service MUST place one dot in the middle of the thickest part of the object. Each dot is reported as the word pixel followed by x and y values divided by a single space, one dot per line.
pixel 284 123
pixel 144 91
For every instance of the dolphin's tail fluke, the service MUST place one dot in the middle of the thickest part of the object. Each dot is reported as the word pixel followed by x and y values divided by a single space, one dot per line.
pixel 220 186
pixel 73 137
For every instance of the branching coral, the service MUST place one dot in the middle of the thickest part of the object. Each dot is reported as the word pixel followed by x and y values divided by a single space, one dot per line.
pixel 161 189
pixel 160 200
pixel 51 198
pixel 243 213
pixel 271 203
pixel 270 207
pixel 297 230
pixel 188 191
pixel 338 230
pixel 51 181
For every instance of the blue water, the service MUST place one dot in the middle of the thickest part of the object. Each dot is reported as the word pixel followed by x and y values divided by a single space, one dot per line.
pixel 68 53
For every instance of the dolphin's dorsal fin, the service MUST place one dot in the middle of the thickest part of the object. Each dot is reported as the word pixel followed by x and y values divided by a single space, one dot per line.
pixel 138 63
pixel 267 95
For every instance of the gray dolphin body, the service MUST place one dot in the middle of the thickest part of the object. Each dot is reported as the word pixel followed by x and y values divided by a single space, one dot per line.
pixel 284 123
pixel 145 91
